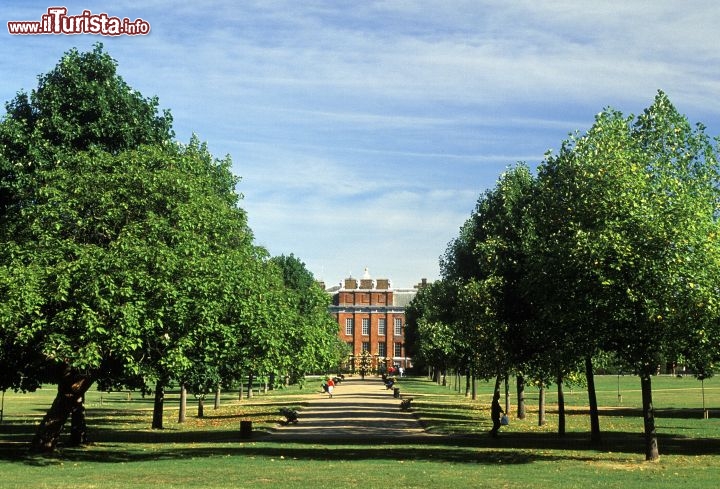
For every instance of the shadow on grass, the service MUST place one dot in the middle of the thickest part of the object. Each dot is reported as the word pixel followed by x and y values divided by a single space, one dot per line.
pixel 119 427
pixel 404 449
pixel 510 448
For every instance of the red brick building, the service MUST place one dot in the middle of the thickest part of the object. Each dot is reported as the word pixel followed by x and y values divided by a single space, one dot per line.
pixel 371 317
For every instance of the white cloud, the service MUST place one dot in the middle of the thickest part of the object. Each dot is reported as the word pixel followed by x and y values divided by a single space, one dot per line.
pixel 364 131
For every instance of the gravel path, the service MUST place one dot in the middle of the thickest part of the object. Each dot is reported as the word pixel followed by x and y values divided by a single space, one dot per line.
pixel 359 410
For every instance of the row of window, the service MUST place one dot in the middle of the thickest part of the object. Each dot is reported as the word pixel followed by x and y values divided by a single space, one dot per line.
pixel 382 326
pixel 381 348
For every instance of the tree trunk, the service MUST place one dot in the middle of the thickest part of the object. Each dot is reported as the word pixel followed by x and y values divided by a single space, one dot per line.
pixel 201 407
pixel 437 376
pixel 498 381
pixel 561 406
pixel 78 428
pixel 651 444
pixel 520 397
pixel 216 405
pixel 541 406
pixel 72 387
pixel 507 394
pixel 467 384
pixel 251 377
pixel 474 387
pixel 182 415
pixel 592 400
pixel 272 381
pixel 158 405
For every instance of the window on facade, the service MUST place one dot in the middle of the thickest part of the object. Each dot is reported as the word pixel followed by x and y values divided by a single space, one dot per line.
pixel 398 350
pixel 398 327
pixel 382 349
pixel 349 326
pixel 366 346
pixel 366 326
pixel 382 327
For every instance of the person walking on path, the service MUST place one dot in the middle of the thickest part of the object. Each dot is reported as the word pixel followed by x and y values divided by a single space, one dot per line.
pixel 330 386
pixel 495 413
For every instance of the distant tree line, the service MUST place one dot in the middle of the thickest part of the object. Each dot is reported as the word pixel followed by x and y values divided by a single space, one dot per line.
pixel 610 250
pixel 125 260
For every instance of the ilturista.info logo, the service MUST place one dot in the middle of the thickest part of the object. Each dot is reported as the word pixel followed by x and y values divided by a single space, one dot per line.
pixel 57 21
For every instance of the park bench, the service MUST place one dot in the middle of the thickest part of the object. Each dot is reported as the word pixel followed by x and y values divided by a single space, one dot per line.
pixel 291 415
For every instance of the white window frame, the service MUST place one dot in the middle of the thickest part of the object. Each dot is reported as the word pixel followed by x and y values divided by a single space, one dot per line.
pixel 398 327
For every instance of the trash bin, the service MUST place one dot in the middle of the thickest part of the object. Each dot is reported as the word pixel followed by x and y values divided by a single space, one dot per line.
pixel 396 392
pixel 245 429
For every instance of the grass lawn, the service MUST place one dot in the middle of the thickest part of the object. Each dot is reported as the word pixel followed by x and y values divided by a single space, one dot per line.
pixel 208 452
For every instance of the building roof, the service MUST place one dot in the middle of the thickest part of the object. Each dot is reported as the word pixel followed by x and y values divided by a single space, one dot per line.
pixel 401 297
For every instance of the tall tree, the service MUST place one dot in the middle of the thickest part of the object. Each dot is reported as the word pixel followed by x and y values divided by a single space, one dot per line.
pixel 432 335
pixel 490 261
pixel 630 239
pixel 314 345
pixel 111 237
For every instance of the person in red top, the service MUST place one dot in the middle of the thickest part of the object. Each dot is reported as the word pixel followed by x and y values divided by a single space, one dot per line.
pixel 330 386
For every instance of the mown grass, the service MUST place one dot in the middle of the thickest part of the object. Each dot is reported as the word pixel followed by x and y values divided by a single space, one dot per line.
pixel 208 452
pixel 447 410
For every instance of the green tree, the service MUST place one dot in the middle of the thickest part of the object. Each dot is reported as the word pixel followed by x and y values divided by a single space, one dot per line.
pixel 115 241
pixel 630 228
pixel 489 262
pixel 431 335
pixel 81 103
pixel 314 343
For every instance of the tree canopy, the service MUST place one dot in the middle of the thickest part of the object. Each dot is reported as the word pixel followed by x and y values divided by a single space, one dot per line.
pixel 611 248
pixel 125 258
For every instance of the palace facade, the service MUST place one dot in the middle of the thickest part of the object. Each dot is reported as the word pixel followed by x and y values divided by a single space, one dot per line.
pixel 371 317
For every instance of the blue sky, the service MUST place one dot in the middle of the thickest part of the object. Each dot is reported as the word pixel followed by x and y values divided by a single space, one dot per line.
pixel 364 131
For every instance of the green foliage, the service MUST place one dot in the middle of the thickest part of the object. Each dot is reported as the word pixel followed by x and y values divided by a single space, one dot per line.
pixel 431 335
pixel 129 247
pixel 612 248
pixel 627 215
pixel 64 200
pixel 83 103
pixel 313 343
pixel 124 255
pixel 487 265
